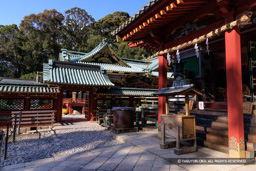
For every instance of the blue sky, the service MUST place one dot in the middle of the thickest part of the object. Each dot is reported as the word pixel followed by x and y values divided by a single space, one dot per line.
pixel 13 11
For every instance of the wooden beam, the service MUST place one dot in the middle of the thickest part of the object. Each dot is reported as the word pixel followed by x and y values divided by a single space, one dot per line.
pixel 167 106
pixel 224 6
pixel 191 17
pixel 201 35
pixel 187 104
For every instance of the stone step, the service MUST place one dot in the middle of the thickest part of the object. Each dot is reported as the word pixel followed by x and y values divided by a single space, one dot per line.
pixel 220 125
pixel 251 137
pixel 220 131
pixel 200 128
pixel 217 139
pixel 216 147
pixel 223 119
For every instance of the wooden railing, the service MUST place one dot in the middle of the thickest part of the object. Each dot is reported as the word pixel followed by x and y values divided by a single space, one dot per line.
pixel 71 100
pixel 33 118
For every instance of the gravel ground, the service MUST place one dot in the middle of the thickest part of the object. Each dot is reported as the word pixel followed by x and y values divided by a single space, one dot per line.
pixel 68 141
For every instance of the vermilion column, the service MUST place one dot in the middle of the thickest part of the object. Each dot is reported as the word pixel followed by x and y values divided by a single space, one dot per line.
pixel 92 105
pixel 59 108
pixel 234 94
pixel 162 83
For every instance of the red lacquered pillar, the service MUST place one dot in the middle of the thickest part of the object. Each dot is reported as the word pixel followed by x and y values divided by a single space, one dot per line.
pixel 162 83
pixel 59 108
pixel 234 94
pixel 92 104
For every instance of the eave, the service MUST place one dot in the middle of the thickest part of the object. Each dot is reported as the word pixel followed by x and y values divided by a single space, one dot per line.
pixel 156 25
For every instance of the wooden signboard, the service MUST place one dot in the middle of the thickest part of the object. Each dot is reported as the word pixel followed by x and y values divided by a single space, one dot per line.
pixel 247 108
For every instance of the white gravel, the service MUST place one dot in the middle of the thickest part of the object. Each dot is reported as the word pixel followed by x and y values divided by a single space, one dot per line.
pixel 68 141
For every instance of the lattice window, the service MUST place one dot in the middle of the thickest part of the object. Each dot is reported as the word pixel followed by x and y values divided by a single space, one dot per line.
pixel 122 103
pixel 136 102
pixel 104 104
pixel 41 104
pixel 12 104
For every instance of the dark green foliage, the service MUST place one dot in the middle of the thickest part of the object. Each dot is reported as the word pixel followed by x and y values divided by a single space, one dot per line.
pixel 76 29
pixel 106 25
pixel 11 50
pixel 30 76
pixel 41 36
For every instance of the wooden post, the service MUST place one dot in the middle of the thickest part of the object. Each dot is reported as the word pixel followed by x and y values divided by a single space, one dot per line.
pixel 187 104
pixel 178 138
pixel 27 103
pixel 167 106
pixel 74 96
pixel 162 83
pixel 234 94
pixel 163 133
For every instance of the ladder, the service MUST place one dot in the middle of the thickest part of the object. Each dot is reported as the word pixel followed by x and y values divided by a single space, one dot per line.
pixel 252 67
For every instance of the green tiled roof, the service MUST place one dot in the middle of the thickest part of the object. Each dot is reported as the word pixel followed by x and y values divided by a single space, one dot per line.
pixel 74 56
pixel 77 74
pixel 116 68
pixel 153 65
pixel 127 91
pixel 155 73
pixel 100 51
pixel 115 64
pixel 8 87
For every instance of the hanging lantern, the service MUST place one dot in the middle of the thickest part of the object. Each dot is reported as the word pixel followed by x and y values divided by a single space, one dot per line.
pixel 178 56
pixel 207 45
pixel 169 58
pixel 196 50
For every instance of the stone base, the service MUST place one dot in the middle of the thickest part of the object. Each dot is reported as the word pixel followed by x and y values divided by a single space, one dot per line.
pixel 236 150
pixel 236 154
pixel 250 154
pixel 159 134
pixel 168 145
pixel 185 150
pixel 123 130
pixel 251 146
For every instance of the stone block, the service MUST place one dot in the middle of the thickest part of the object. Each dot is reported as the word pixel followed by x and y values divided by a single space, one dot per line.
pixel 108 166
pixel 251 146
pixel 249 154
pixel 140 168
pixel 92 166
pixel 148 163
pixel 23 130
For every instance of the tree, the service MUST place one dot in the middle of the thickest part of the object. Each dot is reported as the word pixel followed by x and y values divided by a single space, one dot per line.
pixel 106 25
pixel 76 29
pixel 11 55
pixel 42 36
pixel 109 23
pixel 93 41
pixel 123 50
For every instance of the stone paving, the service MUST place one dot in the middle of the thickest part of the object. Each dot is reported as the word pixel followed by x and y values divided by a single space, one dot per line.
pixel 120 157
pixel 149 141
pixel 139 152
